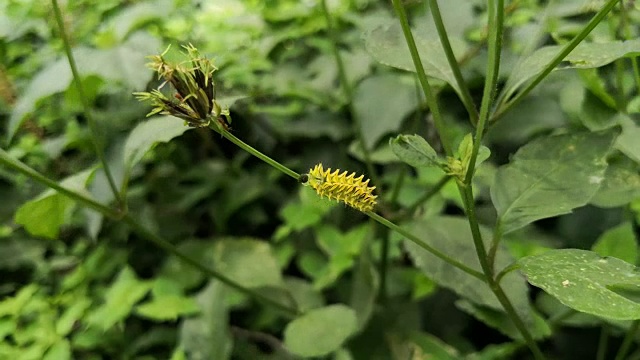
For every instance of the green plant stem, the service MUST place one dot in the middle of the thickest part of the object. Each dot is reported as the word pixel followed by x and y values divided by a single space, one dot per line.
pixel 628 340
pixel 429 193
pixel 496 25
pixel 504 107
pixel 348 91
pixel 467 194
pixel 424 245
pixel 85 104
pixel 432 101
pixel 24 169
pixel 495 243
pixel 506 271
pixel 17 165
pixel 246 147
pixel 465 95
pixel 603 342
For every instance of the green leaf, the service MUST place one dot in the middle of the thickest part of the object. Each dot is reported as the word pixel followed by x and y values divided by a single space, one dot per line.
pixel 621 185
pixel 584 56
pixel 147 134
pixel 382 102
pixel 303 294
pixel 60 350
pixel 387 45
pixel 247 261
pixel 122 64
pixel 44 215
pixel 207 336
pixel 619 242
pixel 453 237
pixel 415 151
pixel 628 142
pixel 550 176
pixel 582 280
pixel 168 307
pixel 122 295
pixel 320 331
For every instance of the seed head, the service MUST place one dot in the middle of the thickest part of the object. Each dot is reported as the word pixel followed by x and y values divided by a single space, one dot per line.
pixel 349 189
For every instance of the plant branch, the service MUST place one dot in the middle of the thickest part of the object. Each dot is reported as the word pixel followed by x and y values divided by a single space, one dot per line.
pixel 22 168
pixel 85 104
pixel 504 107
pixel 432 101
pixel 229 136
pixel 465 95
pixel 496 25
pixel 434 190
pixel 425 246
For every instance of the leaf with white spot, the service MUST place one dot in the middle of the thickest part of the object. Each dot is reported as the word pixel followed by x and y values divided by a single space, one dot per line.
pixel 586 282
pixel 550 176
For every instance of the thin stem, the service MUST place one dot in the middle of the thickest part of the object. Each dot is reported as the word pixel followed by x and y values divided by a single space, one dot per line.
pixel 496 25
pixel 465 95
pixel 556 59
pixel 495 243
pixel 348 91
pixel 85 103
pixel 425 246
pixel 467 194
pixel 506 271
pixel 628 340
pixel 432 101
pixel 429 194
pixel 257 153
pixel 603 342
pixel 17 165
pixel 24 169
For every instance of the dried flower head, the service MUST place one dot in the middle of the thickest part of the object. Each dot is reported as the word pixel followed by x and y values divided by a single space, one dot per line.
pixel 194 99
pixel 349 189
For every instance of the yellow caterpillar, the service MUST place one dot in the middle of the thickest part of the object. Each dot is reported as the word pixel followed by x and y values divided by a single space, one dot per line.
pixel 349 189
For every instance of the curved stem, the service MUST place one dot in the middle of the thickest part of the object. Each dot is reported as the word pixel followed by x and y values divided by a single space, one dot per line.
pixel 425 246
pixel 603 343
pixel 628 339
pixel 348 91
pixel 465 95
pixel 22 168
pixel 85 104
pixel 246 147
pixel 504 107
pixel 432 101
pixel 496 25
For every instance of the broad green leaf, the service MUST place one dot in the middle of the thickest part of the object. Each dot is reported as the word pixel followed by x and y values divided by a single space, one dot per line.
pixel 500 321
pixel 387 45
pixel 382 102
pixel 44 215
pixel 628 142
pixel 584 56
pixel 415 151
pixel 247 261
pixel 71 316
pixel 584 281
pixel 452 236
pixel 320 331
pixel 122 64
pixel 550 176
pixel 147 134
pixel 621 185
pixel 619 242
pixel 427 346
pixel 122 295
pixel 206 336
